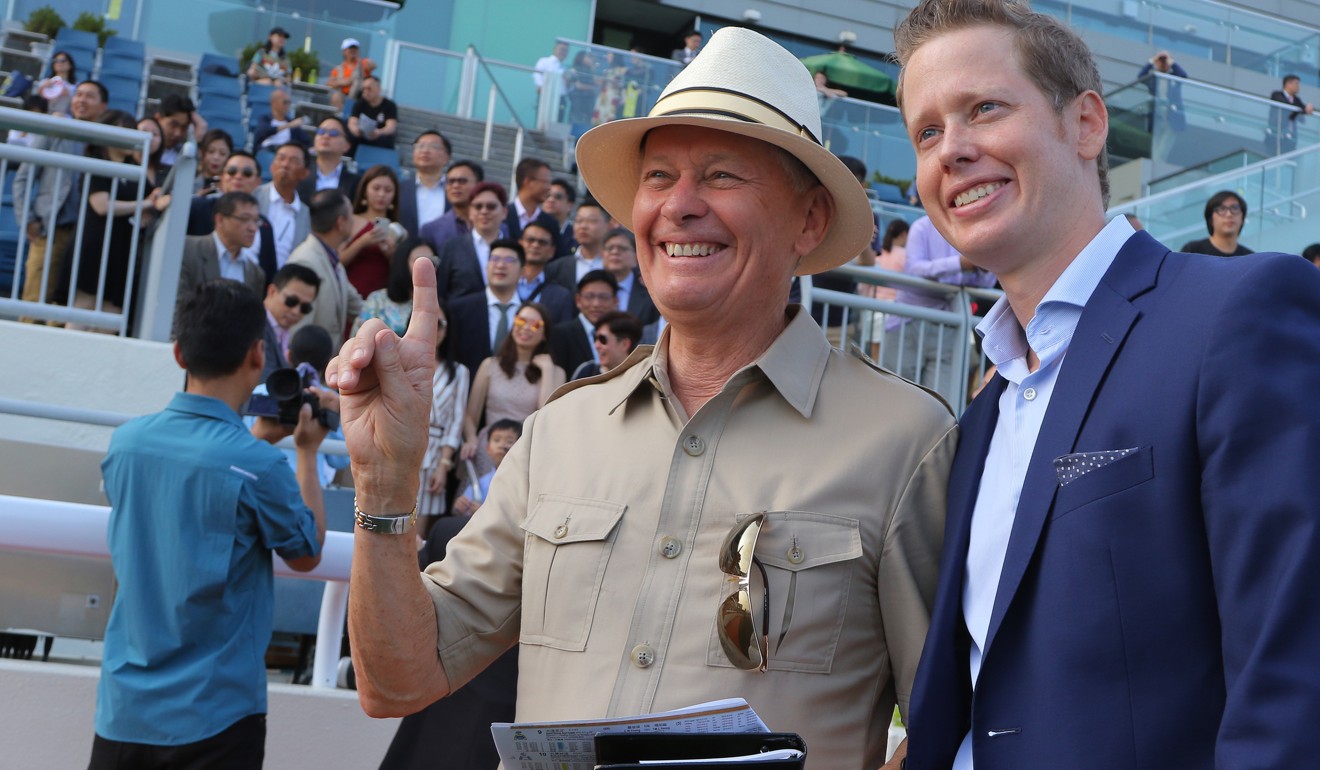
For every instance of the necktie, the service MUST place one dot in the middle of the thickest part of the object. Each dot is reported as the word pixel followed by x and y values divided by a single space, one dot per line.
pixel 501 328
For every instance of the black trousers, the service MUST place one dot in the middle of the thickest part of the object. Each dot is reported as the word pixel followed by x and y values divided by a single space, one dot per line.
pixel 241 746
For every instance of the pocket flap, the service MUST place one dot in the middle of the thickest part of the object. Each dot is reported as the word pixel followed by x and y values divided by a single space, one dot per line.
pixel 561 519
pixel 798 540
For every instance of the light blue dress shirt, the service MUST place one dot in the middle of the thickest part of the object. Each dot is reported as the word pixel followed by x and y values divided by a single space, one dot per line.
pixel 1022 408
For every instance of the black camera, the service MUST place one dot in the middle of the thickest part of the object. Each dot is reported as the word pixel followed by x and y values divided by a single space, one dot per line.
pixel 286 392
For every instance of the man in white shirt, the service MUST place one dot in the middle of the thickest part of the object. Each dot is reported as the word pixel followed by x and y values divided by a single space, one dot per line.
pixel 532 178
pixel 590 224
pixel 280 203
pixel 422 198
pixel 331 145
pixel 550 66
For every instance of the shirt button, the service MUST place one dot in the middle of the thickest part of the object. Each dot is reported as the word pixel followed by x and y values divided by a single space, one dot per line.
pixel 694 446
pixel 561 531
pixel 643 655
pixel 795 554
pixel 1029 394
pixel 670 547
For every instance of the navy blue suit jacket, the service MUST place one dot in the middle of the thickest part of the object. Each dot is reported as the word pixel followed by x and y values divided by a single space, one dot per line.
pixel 1157 612
pixel 469 330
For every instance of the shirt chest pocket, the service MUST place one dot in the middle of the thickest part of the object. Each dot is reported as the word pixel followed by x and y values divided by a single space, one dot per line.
pixel 568 545
pixel 809 561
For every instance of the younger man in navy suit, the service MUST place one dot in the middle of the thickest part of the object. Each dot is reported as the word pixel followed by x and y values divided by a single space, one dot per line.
pixel 1133 539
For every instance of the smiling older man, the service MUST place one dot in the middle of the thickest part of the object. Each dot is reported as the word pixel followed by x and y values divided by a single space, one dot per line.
pixel 601 558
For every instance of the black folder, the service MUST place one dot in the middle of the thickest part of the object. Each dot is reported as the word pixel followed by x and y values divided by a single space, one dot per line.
pixel 624 751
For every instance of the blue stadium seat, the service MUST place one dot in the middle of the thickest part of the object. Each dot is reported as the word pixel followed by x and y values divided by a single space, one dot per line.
pixel 125 91
pixel 367 157
pixel 124 48
pixel 213 83
pixel 9 261
pixel 258 96
pixel 264 159
pixel 230 126
pixel 69 37
pixel 220 65
pixel 114 65
pixel 888 193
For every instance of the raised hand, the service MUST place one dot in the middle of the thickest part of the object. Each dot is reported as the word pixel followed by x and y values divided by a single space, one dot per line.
pixel 384 384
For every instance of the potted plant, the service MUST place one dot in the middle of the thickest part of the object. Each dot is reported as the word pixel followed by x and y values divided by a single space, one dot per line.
pixel 44 21
pixel 90 22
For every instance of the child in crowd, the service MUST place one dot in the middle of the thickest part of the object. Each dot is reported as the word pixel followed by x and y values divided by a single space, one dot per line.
pixel 499 440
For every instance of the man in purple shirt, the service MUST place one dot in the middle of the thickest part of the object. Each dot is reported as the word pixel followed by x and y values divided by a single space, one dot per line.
pixel 916 349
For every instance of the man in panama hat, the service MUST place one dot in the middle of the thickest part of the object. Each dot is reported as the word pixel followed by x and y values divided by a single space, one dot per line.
pixel 706 520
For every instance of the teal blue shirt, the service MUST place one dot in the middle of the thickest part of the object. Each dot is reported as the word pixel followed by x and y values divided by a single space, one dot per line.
pixel 197 504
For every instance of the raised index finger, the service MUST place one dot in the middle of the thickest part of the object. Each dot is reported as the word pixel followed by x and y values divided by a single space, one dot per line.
pixel 426 304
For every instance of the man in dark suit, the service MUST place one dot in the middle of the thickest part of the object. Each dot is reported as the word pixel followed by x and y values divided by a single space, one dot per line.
pixel 461 178
pixel 1133 539
pixel 328 172
pixel 242 173
pixel 590 223
pixel 279 125
pixel 460 271
pixel 475 330
pixel 539 244
pixel 422 198
pixel 1283 127
pixel 532 178
pixel 290 296
pixel 220 254
pixel 572 342
pixel 559 204
pixel 620 258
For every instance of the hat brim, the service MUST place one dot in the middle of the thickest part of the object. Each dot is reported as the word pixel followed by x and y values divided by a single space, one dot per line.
pixel 609 158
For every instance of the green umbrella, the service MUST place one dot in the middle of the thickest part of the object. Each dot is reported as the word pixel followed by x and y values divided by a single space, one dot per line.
pixel 846 70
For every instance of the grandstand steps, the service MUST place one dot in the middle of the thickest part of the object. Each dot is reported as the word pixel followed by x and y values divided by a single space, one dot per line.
pixel 468 136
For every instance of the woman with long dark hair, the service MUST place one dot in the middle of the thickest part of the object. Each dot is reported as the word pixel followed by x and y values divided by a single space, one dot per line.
pixel 449 392
pixel 366 256
pixel 513 383
pixel 393 304
pixel 213 152
pixel 58 88
pixel 270 64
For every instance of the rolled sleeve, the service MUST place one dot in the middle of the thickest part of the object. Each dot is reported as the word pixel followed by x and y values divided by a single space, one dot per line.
pixel 286 524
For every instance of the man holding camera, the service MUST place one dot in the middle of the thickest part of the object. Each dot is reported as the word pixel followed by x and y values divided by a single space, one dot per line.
pixel 198 502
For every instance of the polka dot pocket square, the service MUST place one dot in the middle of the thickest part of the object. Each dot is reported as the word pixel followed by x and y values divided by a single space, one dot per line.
pixel 1071 467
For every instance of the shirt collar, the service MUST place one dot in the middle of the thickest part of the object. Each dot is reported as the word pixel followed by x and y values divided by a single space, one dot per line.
pixel 1004 338
pixel 277 199
pixel 221 251
pixel 204 406
pixel 794 364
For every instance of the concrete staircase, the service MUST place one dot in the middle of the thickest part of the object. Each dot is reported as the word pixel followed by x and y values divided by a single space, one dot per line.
pixel 468 136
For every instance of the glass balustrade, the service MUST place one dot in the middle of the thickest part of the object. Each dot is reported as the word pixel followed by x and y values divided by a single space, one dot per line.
pixel 1202 30
pixel 1183 124
pixel 1282 195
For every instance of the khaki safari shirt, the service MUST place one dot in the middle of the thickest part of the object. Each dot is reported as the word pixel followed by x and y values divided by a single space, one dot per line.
pixel 596 549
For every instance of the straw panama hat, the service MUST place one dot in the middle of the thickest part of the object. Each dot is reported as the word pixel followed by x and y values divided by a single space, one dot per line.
pixel 746 84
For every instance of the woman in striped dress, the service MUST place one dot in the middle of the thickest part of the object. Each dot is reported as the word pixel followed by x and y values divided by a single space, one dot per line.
pixel 449 389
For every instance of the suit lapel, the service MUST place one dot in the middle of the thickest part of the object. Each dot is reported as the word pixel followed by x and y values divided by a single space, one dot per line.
pixel 1101 331
pixel 210 261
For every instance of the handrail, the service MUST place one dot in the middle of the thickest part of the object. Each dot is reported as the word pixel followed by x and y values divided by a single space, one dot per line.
pixel 1288 158
pixel 76 529
pixel 109 419
pixel 495 86
pixel 1201 85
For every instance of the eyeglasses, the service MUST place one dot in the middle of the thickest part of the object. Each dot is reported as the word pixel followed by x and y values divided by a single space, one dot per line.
pixel 458 180
pixel 558 196
pixel 330 132
pixel 735 622
pixel 601 339
pixel 536 241
pixel 432 146
pixel 245 171
pixel 484 206
pixel 503 259
pixel 523 323
pixel 246 219
pixel 60 60
pixel 596 297
pixel 618 247
pixel 292 301
pixel 1224 211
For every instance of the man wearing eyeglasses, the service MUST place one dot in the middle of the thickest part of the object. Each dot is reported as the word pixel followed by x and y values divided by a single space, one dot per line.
pixel 290 297
pixel 479 322
pixel 422 198
pixel 220 254
pixel 741 510
pixel 571 341
pixel 538 242
pixel 280 202
pixel 559 204
pixel 331 143
pixel 460 180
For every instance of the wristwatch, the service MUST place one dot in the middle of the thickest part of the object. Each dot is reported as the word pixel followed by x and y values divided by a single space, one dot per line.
pixel 390 524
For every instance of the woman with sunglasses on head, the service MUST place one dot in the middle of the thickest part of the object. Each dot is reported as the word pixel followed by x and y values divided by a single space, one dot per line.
pixel 58 88
pixel 513 383
pixel 366 256
pixel 213 150
pixel 393 304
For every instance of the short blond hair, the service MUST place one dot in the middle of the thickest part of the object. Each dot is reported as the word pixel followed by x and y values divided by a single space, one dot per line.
pixel 1050 54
